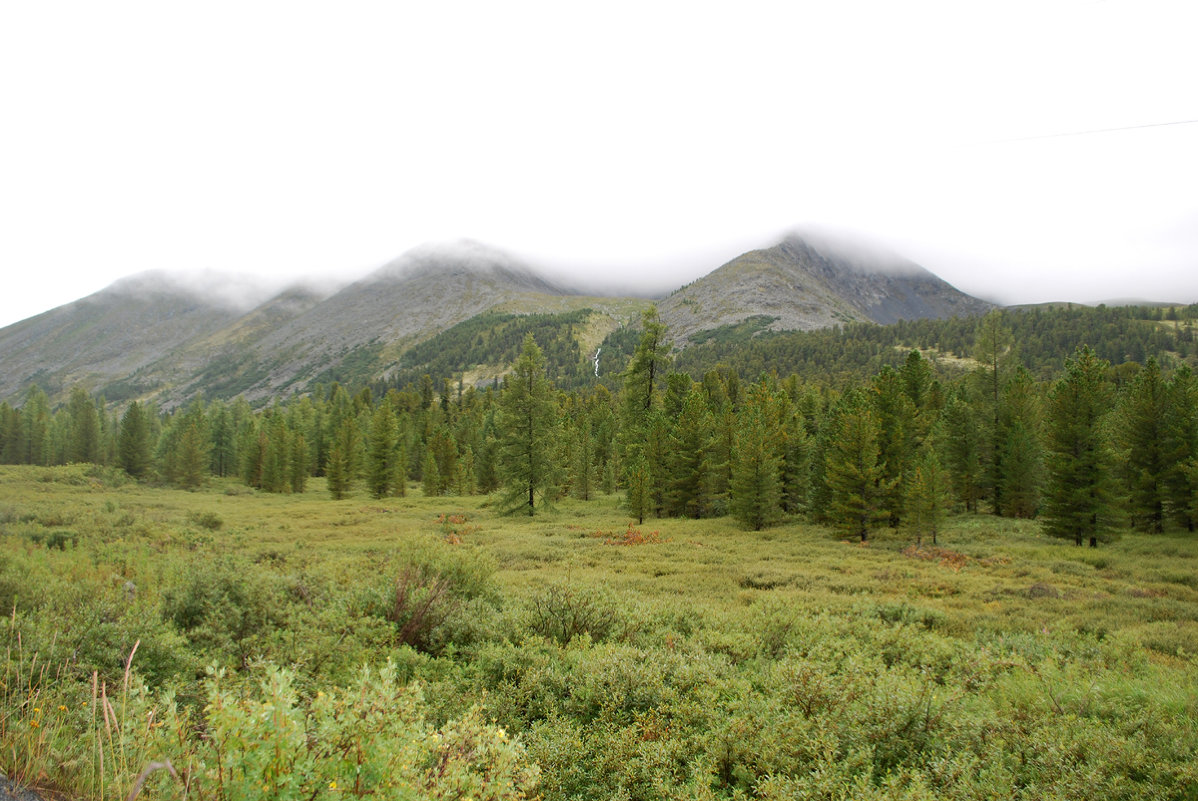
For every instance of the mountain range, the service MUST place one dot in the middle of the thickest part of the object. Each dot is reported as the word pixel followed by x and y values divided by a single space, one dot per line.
pixel 157 336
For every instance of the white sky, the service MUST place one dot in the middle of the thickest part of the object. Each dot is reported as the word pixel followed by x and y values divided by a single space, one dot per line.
pixel 629 140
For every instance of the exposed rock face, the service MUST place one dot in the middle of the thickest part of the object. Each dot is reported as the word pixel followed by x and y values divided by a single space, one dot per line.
pixel 805 283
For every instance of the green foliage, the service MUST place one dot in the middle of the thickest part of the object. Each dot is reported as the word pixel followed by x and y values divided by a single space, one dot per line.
pixel 227 609
pixel 1046 336
pixel 714 664
pixel 853 470
pixel 756 488
pixel 497 339
pixel 438 596
pixel 367 740
pixel 927 495
pixel 134 442
pixel 1078 501
pixel 527 424
pixel 386 462
pixel 1142 423
pixel 562 612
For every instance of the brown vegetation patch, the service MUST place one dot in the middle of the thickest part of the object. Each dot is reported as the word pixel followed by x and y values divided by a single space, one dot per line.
pixel 632 536
pixel 942 556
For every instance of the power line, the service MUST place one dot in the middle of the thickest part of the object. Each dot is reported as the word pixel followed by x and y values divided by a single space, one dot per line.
pixel 1092 131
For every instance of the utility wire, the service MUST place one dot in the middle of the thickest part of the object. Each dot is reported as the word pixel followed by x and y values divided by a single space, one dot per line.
pixel 1092 131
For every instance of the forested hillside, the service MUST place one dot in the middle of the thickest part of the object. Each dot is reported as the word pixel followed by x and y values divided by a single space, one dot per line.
pixel 1043 337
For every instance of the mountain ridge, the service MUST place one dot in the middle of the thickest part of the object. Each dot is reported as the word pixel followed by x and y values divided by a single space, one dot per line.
pixel 171 340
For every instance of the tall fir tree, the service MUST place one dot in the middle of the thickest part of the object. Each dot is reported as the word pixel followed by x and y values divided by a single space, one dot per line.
pixel 961 443
pixel 796 447
pixel 85 427
pixel 636 496
pixel 756 492
pixel 1142 424
pixel 994 350
pixel 383 470
pixel 927 495
pixel 185 455
pixel 340 468
pixel 897 438
pixel 642 395
pixel 583 460
pixel 133 442
pixel 1181 443
pixel 853 470
pixel 1022 463
pixel 527 429
pixel 688 463
pixel 1078 499
pixel 35 428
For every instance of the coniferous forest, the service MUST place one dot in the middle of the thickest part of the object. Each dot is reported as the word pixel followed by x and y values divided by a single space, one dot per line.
pixel 940 559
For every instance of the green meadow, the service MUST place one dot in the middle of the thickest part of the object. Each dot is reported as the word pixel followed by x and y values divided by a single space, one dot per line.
pixel 231 643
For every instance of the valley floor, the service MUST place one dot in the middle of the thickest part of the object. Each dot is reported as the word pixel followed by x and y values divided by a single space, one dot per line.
pixel 575 655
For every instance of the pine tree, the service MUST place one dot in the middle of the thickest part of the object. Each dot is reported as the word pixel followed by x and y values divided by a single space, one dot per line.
pixel 35 428
pixel 583 468
pixel 1142 420
pixel 336 472
pixel 383 467
pixel 928 495
pixel 252 445
pixel 641 391
pixel 1022 463
pixel 853 470
pixel 224 440
pixel 1078 496
pixel 85 427
pixel 962 446
pixel 636 496
pixel 527 428
pixel 796 461
pixel 897 436
pixel 133 444
pixel 10 434
pixel 994 349
pixel 187 463
pixel 298 463
pixel 1181 443
pixel 687 458
pixel 756 492
pixel 339 469
pixel 276 457
pixel 430 474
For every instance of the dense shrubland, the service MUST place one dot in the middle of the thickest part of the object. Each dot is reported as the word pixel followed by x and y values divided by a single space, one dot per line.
pixel 288 646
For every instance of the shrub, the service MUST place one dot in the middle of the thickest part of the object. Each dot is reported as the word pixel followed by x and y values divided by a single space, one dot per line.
pixel 371 739
pixel 209 520
pixel 440 595
pixel 562 612
pixel 227 608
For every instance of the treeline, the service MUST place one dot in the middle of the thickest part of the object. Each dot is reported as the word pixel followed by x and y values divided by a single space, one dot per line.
pixel 1089 450
pixel 1046 336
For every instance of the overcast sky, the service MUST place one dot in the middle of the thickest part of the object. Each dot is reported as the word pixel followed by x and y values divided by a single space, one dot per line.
pixel 624 141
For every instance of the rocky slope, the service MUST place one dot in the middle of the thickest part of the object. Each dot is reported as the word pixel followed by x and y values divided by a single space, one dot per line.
pixel 808 282
pixel 158 337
